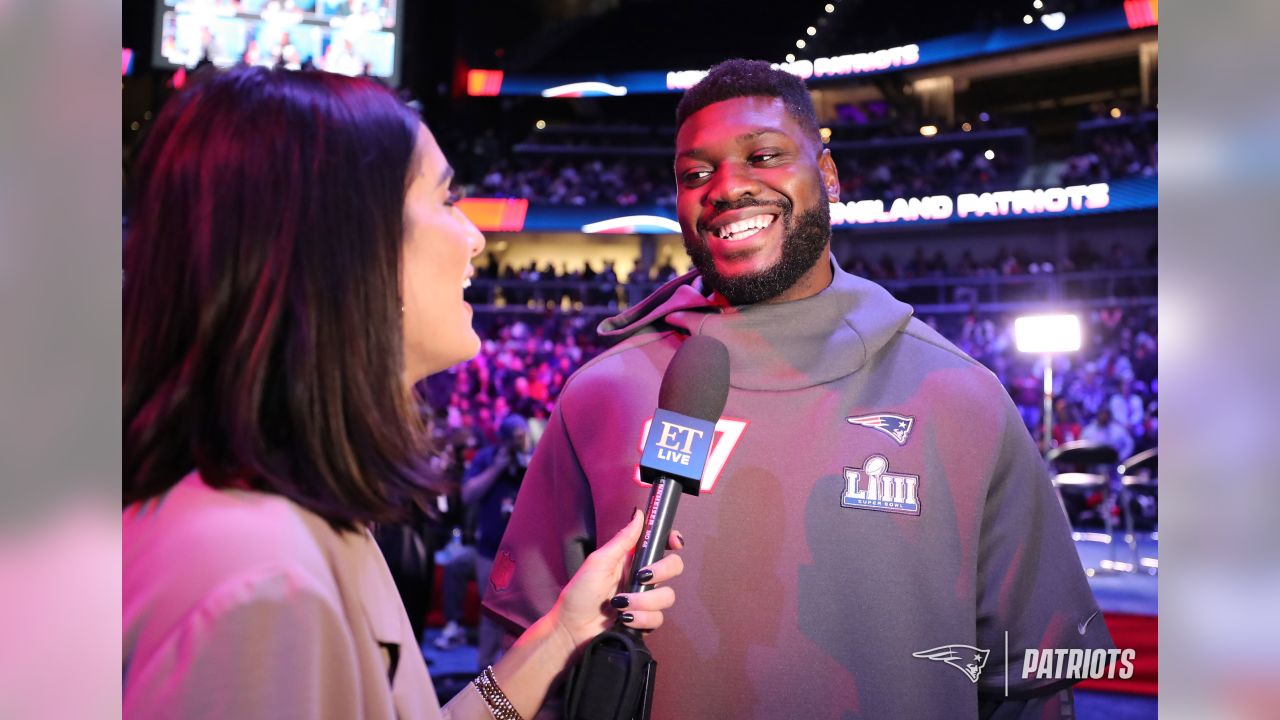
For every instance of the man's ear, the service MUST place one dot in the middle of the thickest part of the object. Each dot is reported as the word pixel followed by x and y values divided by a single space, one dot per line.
pixel 830 177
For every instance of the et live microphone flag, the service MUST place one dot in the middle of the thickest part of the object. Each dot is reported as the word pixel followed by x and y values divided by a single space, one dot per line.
pixel 690 400
pixel 692 397
pixel 614 678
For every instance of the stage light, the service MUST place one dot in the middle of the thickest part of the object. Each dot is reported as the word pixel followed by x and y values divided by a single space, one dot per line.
pixel 1047 333
pixel 1037 4
pixel 966 127
pixel 541 124
pixel 928 130
pixel 990 154
pixel 830 8
pixel 800 44
pixel 811 30
pixel 589 88
pixel 1027 20
pixel 134 126
pixel 983 117
pixel 1141 13
pixel 791 58
pixel 1054 21
pixel 825 133
pixel 1115 112
pixel 484 83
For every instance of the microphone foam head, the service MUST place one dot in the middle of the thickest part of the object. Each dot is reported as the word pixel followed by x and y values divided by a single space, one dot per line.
pixel 696 383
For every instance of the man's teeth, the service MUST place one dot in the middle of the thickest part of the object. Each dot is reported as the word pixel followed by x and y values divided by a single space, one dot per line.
pixel 743 228
pixel 466 283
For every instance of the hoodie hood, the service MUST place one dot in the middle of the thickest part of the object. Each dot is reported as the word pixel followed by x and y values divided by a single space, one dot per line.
pixel 783 346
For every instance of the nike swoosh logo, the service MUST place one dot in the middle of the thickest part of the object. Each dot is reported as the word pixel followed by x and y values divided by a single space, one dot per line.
pixel 1081 627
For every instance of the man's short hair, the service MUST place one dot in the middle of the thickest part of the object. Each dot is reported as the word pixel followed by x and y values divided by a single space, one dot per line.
pixel 750 78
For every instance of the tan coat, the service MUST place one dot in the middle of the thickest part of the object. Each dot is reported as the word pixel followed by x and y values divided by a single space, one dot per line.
pixel 244 605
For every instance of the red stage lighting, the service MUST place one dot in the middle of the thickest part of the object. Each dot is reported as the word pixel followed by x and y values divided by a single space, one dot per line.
pixel 1142 13
pixel 484 82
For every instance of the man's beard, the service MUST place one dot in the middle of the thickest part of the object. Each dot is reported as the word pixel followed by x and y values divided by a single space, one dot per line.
pixel 804 239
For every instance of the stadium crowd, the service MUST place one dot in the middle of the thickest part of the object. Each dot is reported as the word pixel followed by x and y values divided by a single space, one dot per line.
pixel 1115 150
pixel 524 362
pixel 577 180
pixel 538 283
pixel 946 165
pixel 926 169
pixel 914 170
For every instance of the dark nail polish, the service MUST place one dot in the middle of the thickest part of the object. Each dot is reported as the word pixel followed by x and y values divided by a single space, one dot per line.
pixel 644 575
pixel 680 538
pixel 627 617
pixel 620 601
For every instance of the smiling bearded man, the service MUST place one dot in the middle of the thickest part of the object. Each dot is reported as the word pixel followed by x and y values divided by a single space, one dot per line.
pixel 754 157
pixel 876 506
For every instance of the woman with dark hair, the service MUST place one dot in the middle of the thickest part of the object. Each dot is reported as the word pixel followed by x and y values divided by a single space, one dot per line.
pixel 295 263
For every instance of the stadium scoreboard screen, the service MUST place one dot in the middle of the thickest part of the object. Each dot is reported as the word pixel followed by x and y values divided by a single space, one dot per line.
pixel 351 37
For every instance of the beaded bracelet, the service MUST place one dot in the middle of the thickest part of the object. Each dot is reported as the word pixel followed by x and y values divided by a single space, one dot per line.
pixel 496 700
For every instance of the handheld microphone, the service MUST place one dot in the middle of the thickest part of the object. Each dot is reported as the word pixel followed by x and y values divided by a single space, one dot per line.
pixel 614 679
pixel 692 397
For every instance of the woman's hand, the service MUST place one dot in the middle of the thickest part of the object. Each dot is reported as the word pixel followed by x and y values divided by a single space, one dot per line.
pixel 584 608
pixel 526 672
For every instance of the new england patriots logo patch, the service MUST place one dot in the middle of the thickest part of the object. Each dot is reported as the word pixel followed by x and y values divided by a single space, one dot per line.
pixel 965 658
pixel 897 427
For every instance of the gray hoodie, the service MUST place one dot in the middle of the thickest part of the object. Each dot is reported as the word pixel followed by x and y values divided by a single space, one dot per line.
pixel 872 500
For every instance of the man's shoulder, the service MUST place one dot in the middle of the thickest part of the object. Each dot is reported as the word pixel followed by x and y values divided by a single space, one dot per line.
pixel 925 340
pixel 950 374
pixel 635 361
